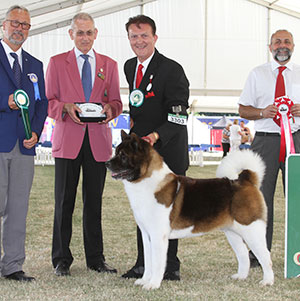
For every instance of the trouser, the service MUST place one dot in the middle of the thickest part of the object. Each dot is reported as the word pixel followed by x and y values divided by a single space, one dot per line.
pixel 16 176
pixel 67 172
pixel 268 147
pixel 226 147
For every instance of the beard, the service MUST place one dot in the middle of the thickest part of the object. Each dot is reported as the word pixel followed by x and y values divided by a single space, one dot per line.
pixel 14 41
pixel 282 54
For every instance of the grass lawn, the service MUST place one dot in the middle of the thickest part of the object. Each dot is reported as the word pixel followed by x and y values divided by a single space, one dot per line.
pixel 207 262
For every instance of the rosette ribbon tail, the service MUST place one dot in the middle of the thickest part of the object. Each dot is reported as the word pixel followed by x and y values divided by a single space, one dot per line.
pixel 286 141
pixel 36 91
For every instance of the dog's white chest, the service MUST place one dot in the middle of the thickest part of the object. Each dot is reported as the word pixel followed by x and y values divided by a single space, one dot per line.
pixel 144 205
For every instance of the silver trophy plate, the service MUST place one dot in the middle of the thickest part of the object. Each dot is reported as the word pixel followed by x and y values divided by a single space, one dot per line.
pixel 91 112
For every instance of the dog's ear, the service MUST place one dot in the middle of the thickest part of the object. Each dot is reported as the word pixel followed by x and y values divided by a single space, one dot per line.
pixel 124 135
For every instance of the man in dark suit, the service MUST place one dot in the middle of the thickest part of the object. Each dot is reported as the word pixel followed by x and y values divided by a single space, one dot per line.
pixel 18 70
pixel 159 92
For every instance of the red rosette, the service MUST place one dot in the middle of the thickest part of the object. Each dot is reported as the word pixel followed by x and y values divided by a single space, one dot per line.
pixel 284 104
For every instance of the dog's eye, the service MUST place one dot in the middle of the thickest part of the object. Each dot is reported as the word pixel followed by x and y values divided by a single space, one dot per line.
pixel 123 157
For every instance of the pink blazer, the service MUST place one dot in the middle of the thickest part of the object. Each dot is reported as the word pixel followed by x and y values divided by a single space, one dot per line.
pixel 63 84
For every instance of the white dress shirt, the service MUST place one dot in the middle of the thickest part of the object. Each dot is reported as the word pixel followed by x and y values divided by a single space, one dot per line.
pixel 145 66
pixel 11 60
pixel 259 92
pixel 92 61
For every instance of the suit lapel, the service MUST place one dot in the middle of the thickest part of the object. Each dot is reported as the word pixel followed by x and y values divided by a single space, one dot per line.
pixel 151 70
pixel 5 63
pixel 100 77
pixel 73 72
pixel 26 65
pixel 131 72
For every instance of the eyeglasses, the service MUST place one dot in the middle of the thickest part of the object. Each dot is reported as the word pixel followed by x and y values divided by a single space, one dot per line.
pixel 81 33
pixel 16 24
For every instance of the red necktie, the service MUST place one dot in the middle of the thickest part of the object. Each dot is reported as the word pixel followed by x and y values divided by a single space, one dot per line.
pixel 139 76
pixel 280 88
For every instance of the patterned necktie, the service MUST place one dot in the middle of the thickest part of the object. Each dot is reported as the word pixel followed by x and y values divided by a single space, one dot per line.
pixel 139 76
pixel 280 88
pixel 86 77
pixel 16 69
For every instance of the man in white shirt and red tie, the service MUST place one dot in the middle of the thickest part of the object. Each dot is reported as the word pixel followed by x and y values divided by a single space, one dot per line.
pixel 265 83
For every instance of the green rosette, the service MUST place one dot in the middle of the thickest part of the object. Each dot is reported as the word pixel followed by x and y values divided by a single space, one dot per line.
pixel 22 101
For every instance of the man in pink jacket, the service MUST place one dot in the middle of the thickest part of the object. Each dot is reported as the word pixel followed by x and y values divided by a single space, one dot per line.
pixel 81 76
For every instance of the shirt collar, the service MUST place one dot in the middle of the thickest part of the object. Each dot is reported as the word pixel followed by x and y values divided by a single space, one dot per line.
pixel 78 53
pixel 145 63
pixel 8 50
pixel 275 65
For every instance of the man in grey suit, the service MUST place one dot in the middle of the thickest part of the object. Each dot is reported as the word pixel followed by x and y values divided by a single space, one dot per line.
pixel 18 70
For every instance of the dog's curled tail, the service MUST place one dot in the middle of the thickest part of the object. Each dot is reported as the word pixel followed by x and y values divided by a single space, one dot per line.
pixel 235 162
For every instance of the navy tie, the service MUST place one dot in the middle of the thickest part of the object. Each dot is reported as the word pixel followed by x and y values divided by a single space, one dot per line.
pixel 16 69
pixel 86 77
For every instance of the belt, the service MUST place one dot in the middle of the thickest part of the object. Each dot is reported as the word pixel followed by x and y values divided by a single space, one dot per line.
pixel 267 134
pixel 271 134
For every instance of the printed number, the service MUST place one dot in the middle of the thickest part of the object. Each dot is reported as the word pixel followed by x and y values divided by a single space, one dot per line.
pixel 177 120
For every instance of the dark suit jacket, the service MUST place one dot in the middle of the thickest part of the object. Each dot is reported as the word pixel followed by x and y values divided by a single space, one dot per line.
pixel 170 87
pixel 11 124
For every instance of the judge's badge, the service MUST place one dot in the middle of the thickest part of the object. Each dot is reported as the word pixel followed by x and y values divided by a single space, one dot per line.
pixel 136 98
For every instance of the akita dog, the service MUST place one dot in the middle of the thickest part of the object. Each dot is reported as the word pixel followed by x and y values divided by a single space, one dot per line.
pixel 168 206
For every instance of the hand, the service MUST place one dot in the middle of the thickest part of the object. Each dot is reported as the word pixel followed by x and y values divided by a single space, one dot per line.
pixel 295 110
pixel 30 143
pixel 107 110
pixel 11 102
pixel 71 109
pixel 270 111
pixel 151 138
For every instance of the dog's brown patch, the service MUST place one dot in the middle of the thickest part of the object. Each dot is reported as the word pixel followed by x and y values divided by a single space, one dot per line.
pixel 203 203
pixel 248 205
pixel 151 163
pixel 210 204
pixel 167 190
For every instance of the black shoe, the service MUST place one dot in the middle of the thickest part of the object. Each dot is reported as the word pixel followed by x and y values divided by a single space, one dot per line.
pixel 102 267
pixel 173 276
pixel 62 269
pixel 19 276
pixel 135 272
pixel 254 263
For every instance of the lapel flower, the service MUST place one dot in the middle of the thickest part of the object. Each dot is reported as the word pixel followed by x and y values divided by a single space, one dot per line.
pixel 150 94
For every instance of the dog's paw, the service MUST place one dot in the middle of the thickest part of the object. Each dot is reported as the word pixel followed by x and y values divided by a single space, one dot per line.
pixel 267 282
pixel 151 286
pixel 239 277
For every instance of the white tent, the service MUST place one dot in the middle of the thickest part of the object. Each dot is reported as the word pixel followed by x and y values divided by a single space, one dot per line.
pixel 217 41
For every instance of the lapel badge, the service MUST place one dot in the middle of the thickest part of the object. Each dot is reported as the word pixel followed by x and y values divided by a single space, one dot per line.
pixel 100 74
pixel 149 86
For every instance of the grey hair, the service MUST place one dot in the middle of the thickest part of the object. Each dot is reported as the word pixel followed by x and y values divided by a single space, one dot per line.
pixel 279 31
pixel 81 16
pixel 16 7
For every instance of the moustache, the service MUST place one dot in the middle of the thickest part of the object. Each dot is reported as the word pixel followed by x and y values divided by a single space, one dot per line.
pixel 278 50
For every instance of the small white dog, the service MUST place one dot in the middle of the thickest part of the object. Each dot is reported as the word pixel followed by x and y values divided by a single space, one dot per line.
pixel 167 206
